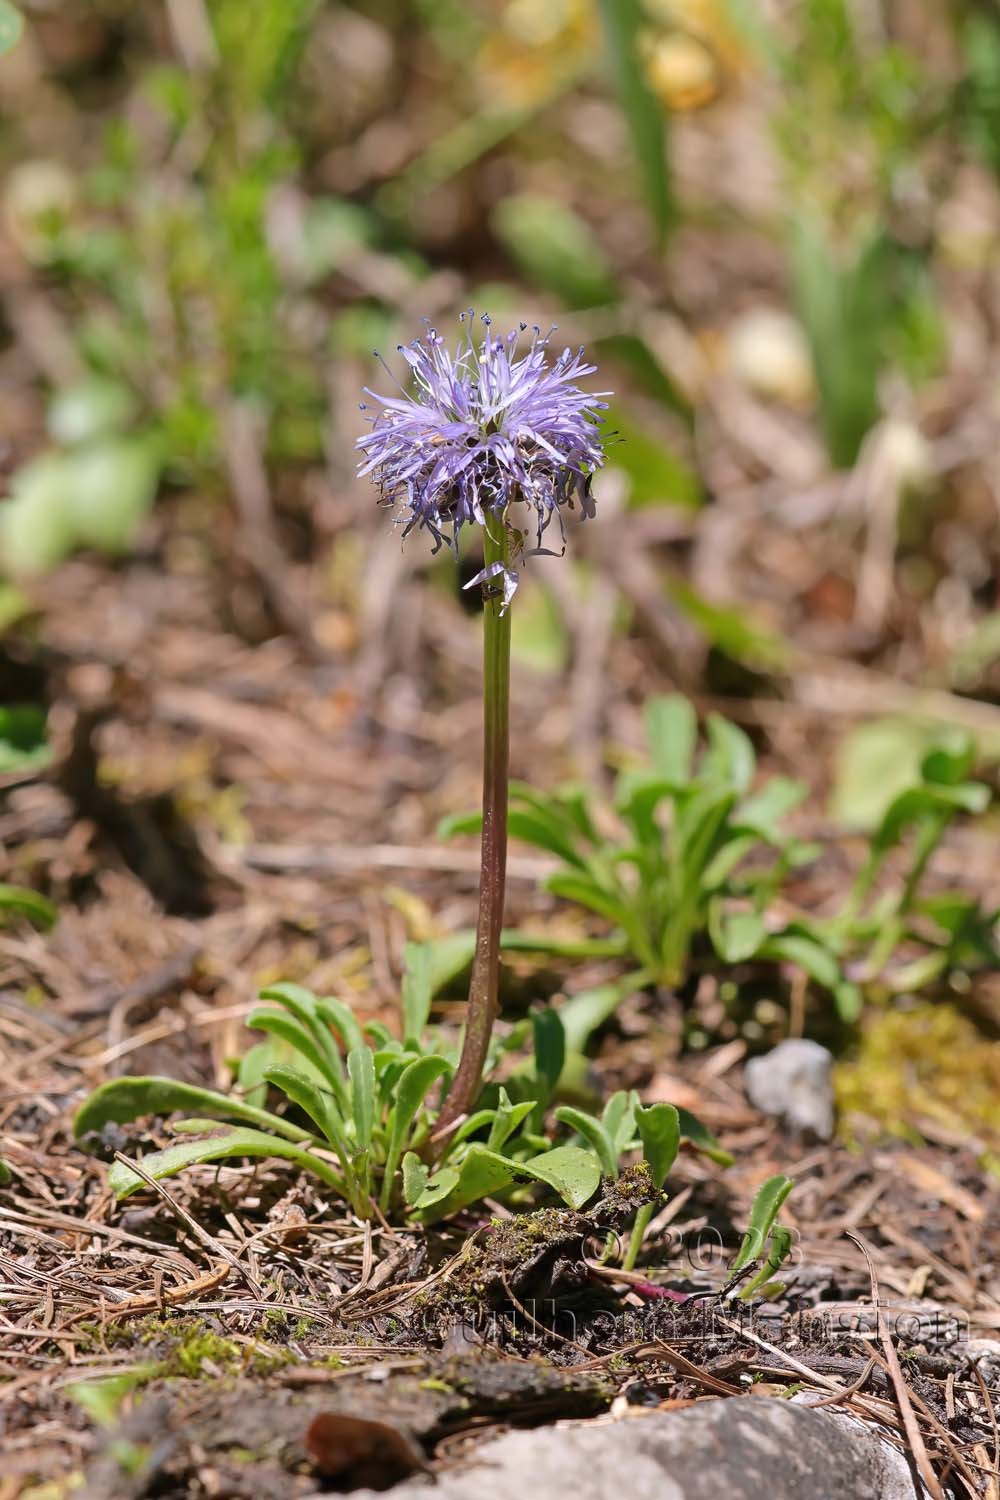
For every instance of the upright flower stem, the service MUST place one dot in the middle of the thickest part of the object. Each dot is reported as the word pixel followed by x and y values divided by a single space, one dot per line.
pixel 485 982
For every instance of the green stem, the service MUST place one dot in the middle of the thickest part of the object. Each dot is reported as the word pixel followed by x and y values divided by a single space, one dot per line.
pixel 485 982
pixel 637 1236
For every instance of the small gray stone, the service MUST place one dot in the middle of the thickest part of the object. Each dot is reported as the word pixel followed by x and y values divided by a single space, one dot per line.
pixel 794 1083
pixel 737 1448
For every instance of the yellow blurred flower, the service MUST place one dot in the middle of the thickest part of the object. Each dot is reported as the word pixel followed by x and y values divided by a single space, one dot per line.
pixel 532 49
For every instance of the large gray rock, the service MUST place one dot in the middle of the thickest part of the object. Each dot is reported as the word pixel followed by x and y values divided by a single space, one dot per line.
pixel 741 1449
pixel 794 1082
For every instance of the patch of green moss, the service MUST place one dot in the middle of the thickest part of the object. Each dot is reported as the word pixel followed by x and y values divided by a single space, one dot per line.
pixel 926 1064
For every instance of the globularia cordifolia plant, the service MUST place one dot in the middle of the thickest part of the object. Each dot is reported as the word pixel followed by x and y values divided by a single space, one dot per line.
pixel 500 437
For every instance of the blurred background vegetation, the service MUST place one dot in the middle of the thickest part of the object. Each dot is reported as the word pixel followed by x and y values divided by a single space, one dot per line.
pixel 775 225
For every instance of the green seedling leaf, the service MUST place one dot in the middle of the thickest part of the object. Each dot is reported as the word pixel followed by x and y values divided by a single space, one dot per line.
pixel 671 733
pixel 618 1118
pixel 660 1132
pixel 594 1134
pixel 766 1207
pixel 361 1071
pixel 849 1001
pixel 239 1142
pixel 124 1099
pixel 507 1119
pixel 780 1248
pixel 476 1122
pixel 6 1175
pixel 22 902
pixel 456 823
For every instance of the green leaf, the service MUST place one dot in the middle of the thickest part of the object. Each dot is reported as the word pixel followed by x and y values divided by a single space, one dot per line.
pixel 573 1173
pixel 550 1050
pixel 672 733
pixel 736 936
pixel 361 1071
pixel 415 1082
pixel 271 1053
pixel 456 823
pixel 23 746
pixel 586 892
pixel 417 994
pixel 730 756
pixel 594 1134
pixel 764 811
pixel 586 1012
pixel 555 248
pixel 702 1139
pixel 306 1009
pixel 618 1117
pixel 950 759
pixel 444 1182
pixel 415 1177
pixel 623 22
pixel 277 1023
pixel 872 764
pixel 6 1175
pixel 102 1399
pixel 809 953
pixel 481 1174
pixel 26 903
pixel 239 1142
pixel 110 486
pixel 657 475
pixel 543 833
pixel 660 1132
pixel 123 1099
pixel 313 1101
pixel 766 1207
pixel 507 1118
pixel 92 408
pixel 11 26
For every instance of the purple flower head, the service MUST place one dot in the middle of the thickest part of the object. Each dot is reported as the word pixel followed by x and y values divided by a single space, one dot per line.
pixel 485 428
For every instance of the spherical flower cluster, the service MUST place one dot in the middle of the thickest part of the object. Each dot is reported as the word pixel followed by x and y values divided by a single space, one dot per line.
pixel 483 429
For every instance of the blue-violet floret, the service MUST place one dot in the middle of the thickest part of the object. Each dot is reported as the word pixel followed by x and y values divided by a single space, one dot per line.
pixel 484 428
